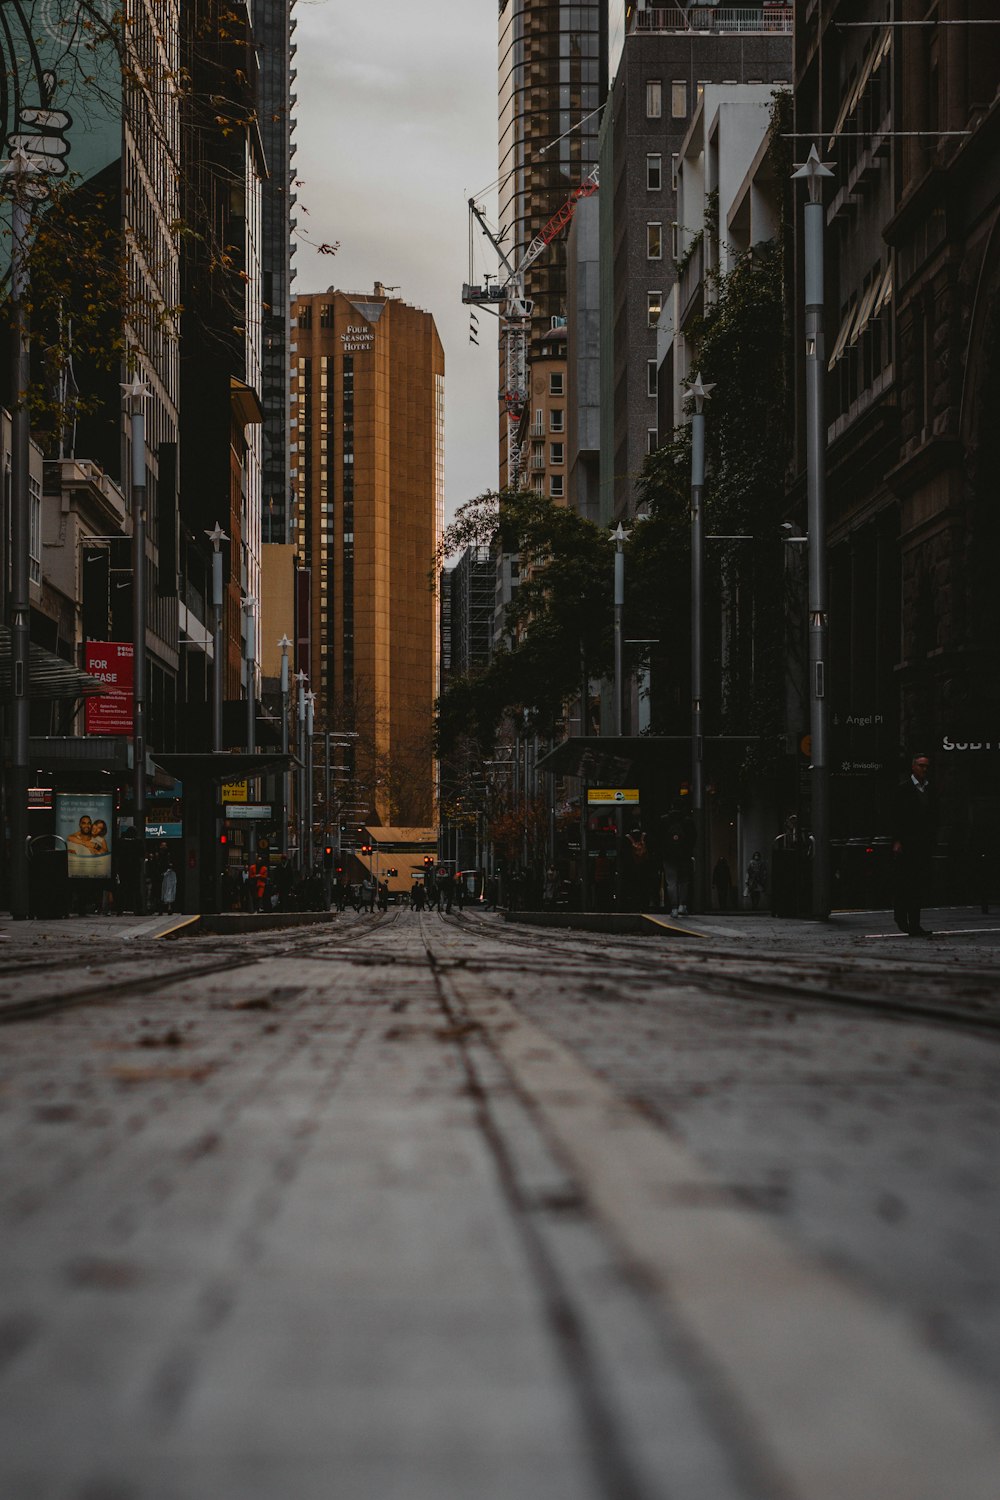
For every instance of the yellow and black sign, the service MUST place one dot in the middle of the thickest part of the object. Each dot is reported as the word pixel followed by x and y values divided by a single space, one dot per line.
pixel 234 791
pixel 613 794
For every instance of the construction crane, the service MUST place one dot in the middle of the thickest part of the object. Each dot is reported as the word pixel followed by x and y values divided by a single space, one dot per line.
pixel 514 309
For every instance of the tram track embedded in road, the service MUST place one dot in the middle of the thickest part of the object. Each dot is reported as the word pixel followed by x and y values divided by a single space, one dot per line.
pixel 726 975
pixel 233 956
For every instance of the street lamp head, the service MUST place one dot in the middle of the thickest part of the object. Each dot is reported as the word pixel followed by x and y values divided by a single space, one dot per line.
pixel 136 391
pixel 814 171
pixel 217 536
pixel 620 536
pixel 284 644
pixel 701 392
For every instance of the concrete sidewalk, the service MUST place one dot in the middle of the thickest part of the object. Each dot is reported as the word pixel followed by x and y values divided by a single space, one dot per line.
pixel 867 930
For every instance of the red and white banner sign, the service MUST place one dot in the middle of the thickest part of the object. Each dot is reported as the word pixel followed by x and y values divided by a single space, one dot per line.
pixel 111 661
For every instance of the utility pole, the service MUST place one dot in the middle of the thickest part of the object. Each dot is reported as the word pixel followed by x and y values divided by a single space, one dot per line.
pixel 284 643
pixel 701 393
pixel 20 172
pixel 310 726
pixel 137 393
pixel 300 745
pixel 217 537
pixel 814 172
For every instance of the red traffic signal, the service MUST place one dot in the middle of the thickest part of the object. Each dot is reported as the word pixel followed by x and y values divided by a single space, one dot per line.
pixel 428 861
pixel 223 839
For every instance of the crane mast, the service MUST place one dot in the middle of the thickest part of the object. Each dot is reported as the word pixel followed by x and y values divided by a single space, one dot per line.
pixel 514 309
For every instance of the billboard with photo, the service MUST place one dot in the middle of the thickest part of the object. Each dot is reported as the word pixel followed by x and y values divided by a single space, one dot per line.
pixel 84 820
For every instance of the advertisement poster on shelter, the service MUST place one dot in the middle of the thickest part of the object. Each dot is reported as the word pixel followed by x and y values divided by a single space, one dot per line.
pixel 84 820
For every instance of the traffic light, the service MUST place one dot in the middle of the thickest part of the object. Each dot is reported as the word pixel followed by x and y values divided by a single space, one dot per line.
pixel 223 840
pixel 428 861
pixel 328 857
pixel 366 848
pixel 392 871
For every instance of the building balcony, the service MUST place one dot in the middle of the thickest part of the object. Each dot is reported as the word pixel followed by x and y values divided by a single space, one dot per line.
pixel 765 18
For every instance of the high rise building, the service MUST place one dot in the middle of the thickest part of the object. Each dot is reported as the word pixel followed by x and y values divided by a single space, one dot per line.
pixel 552 80
pixel 220 366
pixel 368 390
pixel 275 25
pixel 663 68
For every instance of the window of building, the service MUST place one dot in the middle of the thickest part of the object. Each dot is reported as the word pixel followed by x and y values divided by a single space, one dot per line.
pixel 305 317
pixel 556 383
pixel 651 377
pixel 654 241
pixel 654 172
pixel 679 99
pixel 538 483
pixel 555 453
pixel 654 99
pixel 557 419
pixel 556 489
pixel 650 439
pixel 674 164
pixel 654 305
pixel 326 315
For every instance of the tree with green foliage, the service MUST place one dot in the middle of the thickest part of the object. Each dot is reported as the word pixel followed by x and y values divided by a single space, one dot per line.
pixel 559 618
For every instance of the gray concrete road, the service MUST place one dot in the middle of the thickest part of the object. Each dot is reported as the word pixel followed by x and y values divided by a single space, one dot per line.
pixel 415 1208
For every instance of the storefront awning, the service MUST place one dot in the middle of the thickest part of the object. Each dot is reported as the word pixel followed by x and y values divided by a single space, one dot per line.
pixel 48 675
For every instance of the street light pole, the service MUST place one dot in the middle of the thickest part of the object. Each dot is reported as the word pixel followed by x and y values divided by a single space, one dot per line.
pixel 20 534
pixel 217 536
pixel 310 726
pixel 300 744
pixel 249 605
pixel 814 171
pixel 619 536
pixel 284 643
pixel 701 393
pixel 137 393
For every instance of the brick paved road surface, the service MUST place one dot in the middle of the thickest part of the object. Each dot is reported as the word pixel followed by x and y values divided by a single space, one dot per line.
pixel 418 1207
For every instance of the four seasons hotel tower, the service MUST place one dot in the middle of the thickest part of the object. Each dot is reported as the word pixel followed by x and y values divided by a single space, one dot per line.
pixel 368 448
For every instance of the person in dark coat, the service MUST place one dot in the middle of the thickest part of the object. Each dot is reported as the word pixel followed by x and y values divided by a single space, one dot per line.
pixel 679 837
pixel 722 880
pixel 914 836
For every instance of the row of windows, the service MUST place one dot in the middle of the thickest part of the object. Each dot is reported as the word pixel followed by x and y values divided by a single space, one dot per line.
pixel 557 488
pixel 679 95
pixel 678 99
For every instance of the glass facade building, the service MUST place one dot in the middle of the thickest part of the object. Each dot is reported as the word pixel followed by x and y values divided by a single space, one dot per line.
pixel 552 79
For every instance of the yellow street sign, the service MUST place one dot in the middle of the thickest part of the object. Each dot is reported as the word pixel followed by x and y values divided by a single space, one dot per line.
pixel 614 794
pixel 234 791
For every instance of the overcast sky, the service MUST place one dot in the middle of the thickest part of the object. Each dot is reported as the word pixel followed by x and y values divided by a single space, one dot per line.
pixel 396 129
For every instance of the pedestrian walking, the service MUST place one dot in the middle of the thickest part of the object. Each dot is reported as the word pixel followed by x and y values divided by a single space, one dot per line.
pixel 168 889
pixel 678 850
pixel 722 880
pixel 550 889
pixel 914 836
pixel 756 880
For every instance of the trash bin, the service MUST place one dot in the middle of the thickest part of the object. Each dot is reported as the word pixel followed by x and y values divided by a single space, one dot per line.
pixel 48 876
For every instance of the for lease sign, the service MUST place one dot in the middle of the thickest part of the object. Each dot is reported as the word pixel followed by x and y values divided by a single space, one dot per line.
pixel 111 711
